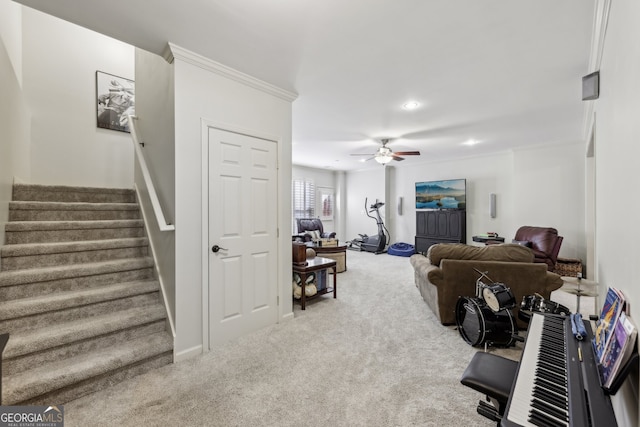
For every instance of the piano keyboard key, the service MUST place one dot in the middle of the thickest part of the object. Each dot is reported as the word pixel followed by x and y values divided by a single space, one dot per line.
pixel 540 394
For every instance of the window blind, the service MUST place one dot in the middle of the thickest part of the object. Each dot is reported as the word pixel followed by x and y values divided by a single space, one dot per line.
pixel 303 201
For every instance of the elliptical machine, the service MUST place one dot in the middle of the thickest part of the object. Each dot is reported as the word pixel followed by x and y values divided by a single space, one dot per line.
pixel 375 244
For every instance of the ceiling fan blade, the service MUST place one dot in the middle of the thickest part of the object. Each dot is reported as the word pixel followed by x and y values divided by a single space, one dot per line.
pixel 398 158
pixel 368 154
pixel 407 153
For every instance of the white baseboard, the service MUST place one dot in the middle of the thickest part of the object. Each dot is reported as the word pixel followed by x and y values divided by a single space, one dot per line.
pixel 187 354
pixel 286 318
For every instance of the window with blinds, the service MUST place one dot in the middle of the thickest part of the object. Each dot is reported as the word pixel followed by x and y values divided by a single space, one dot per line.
pixel 303 201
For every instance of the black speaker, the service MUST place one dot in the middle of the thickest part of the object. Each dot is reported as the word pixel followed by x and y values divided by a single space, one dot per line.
pixel 591 86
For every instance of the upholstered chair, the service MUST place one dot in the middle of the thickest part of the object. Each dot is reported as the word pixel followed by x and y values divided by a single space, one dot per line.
pixel 310 229
pixel 543 241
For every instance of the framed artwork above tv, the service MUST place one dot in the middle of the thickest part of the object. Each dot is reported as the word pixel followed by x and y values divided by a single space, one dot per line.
pixel 444 194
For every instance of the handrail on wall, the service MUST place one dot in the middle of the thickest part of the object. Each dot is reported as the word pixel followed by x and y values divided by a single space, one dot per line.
pixel 155 202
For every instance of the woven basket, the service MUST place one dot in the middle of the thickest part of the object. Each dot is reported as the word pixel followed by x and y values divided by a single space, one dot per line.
pixel 569 267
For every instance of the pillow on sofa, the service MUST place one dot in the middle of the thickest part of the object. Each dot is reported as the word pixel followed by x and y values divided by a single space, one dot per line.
pixel 505 252
pixel 522 243
pixel 315 234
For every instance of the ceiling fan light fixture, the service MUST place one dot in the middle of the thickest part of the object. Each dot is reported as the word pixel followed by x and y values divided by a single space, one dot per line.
pixel 383 159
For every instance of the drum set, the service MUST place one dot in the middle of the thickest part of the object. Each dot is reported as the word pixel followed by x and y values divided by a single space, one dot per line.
pixel 537 303
pixel 487 318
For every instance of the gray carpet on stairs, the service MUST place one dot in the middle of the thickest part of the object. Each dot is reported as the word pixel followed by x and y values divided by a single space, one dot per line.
pixel 77 294
pixel 375 356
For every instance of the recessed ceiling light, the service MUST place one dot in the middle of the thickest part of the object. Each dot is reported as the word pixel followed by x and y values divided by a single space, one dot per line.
pixel 471 142
pixel 411 105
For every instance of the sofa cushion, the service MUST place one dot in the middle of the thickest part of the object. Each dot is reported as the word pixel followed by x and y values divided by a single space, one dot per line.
pixel 460 251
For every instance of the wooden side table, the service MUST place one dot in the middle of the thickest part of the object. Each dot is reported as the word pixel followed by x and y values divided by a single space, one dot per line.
pixel 336 253
pixel 315 264
pixel 488 240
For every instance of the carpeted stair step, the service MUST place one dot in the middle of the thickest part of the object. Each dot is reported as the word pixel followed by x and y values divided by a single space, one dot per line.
pixel 60 193
pixel 26 283
pixel 78 294
pixel 20 232
pixel 71 211
pixel 30 349
pixel 22 256
pixel 66 300
pixel 61 381
pixel 44 319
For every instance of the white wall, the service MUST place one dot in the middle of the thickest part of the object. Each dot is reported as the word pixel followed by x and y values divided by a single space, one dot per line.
pixel 321 178
pixel 59 65
pixel 155 109
pixel 484 175
pixel 542 186
pixel 155 102
pixel 549 190
pixel 369 184
pixel 14 113
pixel 11 34
pixel 617 150
pixel 205 95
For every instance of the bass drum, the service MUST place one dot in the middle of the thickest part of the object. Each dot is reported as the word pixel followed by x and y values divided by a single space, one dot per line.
pixel 478 324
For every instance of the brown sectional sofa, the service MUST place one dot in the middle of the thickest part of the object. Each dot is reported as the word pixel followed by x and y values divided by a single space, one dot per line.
pixel 447 272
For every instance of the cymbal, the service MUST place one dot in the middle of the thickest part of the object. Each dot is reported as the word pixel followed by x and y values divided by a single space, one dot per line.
pixel 580 292
pixel 576 281
pixel 582 287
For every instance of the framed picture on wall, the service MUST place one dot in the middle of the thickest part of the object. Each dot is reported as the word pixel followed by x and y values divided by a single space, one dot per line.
pixel 115 101
pixel 326 203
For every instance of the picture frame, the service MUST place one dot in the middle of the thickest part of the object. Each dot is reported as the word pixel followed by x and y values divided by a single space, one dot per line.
pixel 327 203
pixel 115 101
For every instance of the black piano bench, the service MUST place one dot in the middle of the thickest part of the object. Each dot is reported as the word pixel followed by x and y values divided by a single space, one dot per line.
pixel 492 375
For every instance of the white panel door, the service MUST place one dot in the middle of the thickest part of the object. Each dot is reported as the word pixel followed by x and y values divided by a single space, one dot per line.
pixel 243 289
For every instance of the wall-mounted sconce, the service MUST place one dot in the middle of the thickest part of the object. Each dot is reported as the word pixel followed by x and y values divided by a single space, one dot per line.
pixel 492 204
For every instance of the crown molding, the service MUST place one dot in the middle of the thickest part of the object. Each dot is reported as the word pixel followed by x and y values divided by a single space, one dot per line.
pixel 173 52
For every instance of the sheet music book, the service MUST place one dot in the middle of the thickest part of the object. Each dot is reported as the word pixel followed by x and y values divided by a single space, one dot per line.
pixel 614 304
pixel 620 349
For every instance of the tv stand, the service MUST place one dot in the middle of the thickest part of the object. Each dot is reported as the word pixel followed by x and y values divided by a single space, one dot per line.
pixel 440 226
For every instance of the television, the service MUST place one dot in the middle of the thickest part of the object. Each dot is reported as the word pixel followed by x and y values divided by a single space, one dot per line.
pixel 445 194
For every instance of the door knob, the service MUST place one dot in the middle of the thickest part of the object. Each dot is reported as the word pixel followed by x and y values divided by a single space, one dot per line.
pixel 216 248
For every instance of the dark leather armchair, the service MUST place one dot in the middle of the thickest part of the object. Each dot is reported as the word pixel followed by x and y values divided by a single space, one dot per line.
pixel 543 241
pixel 312 224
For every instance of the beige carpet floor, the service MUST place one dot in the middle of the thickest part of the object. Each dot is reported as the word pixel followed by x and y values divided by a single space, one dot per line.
pixel 375 356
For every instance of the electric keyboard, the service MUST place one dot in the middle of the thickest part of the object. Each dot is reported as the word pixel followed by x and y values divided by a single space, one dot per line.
pixel 557 383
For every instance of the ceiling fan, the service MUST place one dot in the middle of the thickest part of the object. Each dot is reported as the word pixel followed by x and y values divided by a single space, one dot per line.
pixel 384 154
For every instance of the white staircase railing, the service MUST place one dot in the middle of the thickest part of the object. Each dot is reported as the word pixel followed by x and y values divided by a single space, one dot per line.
pixel 155 202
